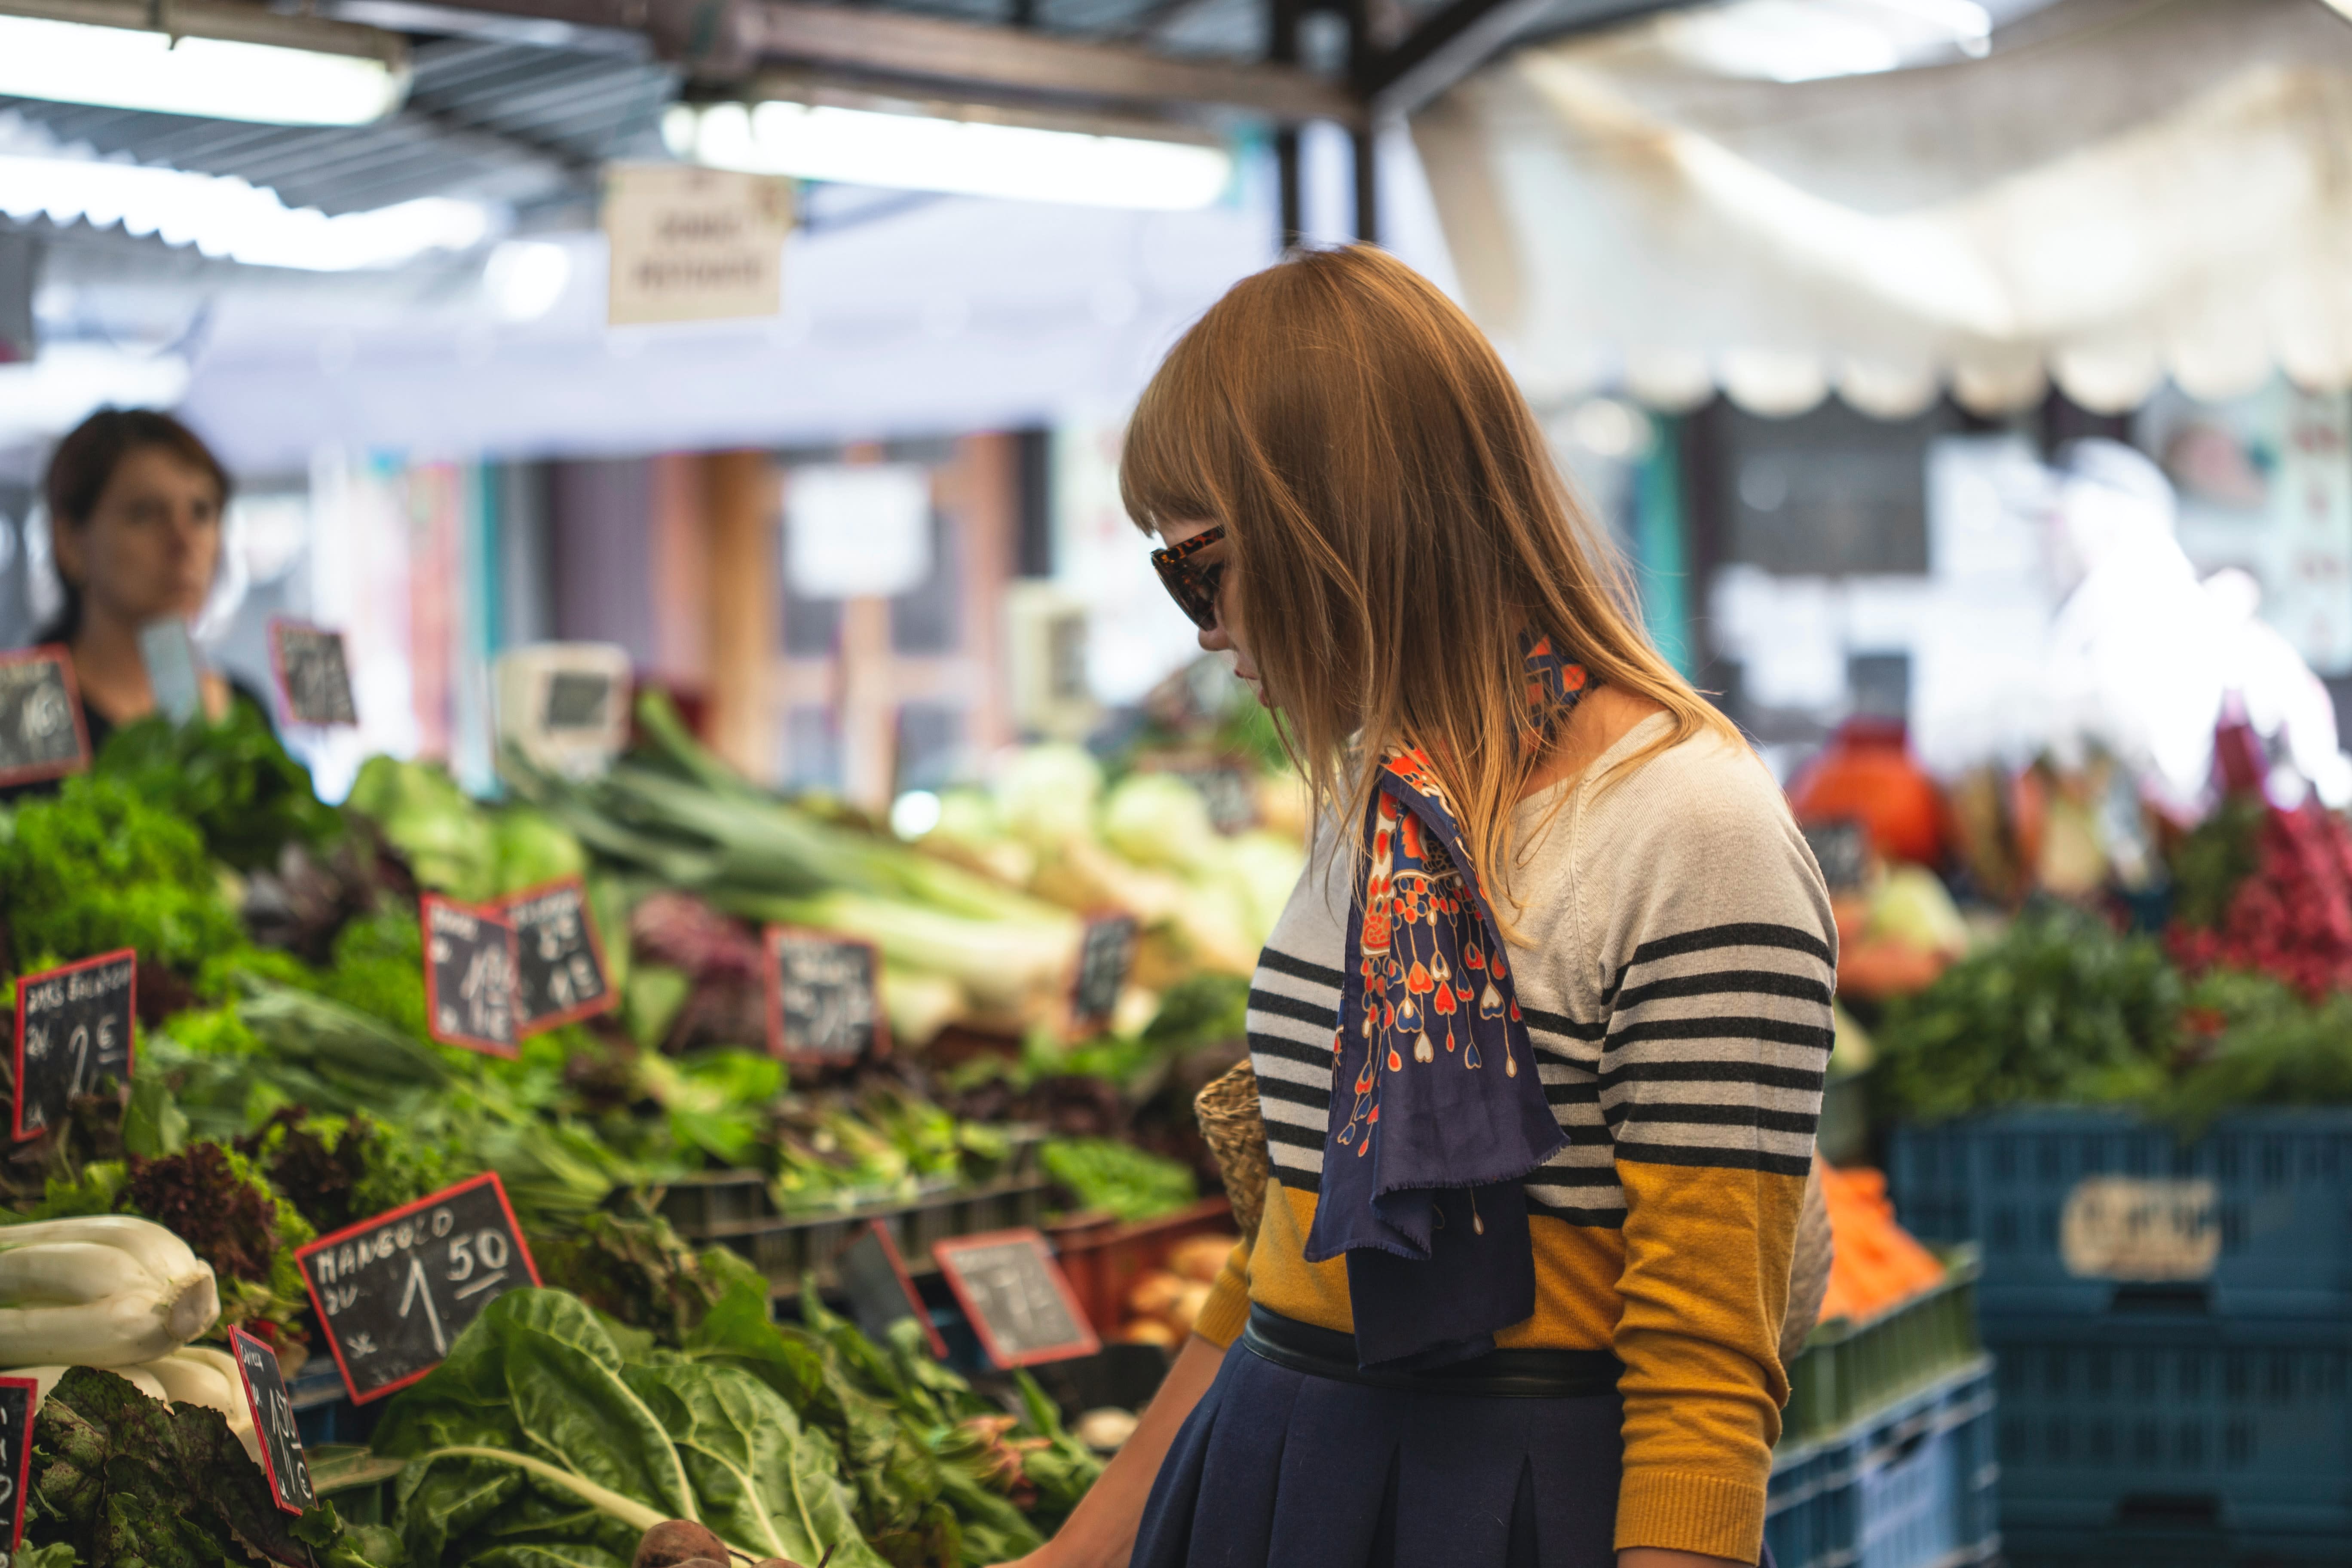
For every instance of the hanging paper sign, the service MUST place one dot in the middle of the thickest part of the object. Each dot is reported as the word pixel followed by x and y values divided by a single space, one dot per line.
pixel 825 998
pixel 560 965
pixel 73 1029
pixel 314 680
pixel 273 1423
pixel 170 655
pixel 1106 953
pixel 881 1293
pixel 395 1291
pixel 19 1396
pixel 41 732
pixel 1018 1298
pixel 470 963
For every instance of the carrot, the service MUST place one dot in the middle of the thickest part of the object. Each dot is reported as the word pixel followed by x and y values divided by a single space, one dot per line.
pixel 1877 1264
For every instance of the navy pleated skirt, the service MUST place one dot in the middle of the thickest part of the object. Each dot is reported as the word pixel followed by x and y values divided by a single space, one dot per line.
pixel 1280 1469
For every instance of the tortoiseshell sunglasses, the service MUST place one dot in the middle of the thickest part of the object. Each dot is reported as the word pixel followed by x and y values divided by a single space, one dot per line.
pixel 1192 584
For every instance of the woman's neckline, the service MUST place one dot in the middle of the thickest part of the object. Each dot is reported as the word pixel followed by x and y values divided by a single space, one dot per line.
pixel 1608 757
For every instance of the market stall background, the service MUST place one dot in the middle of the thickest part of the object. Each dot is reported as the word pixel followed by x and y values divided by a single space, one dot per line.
pixel 906 690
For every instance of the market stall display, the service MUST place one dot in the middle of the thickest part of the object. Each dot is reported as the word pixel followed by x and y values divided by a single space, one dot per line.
pixel 288 1099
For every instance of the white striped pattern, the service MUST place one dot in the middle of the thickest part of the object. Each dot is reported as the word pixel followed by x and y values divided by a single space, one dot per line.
pixel 1700 1041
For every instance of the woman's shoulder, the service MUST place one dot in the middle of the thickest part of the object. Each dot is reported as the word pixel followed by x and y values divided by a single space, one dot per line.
pixel 1706 774
pixel 1705 799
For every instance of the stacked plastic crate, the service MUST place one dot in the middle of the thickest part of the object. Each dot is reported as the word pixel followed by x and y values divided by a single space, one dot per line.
pixel 2172 1324
pixel 1886 1458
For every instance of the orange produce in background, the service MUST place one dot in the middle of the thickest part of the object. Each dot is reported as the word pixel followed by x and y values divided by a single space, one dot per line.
pixel 1867 775
pixel 1877 1264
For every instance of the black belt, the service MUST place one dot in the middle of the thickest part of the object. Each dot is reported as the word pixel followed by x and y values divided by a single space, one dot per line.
pixel 1497 1374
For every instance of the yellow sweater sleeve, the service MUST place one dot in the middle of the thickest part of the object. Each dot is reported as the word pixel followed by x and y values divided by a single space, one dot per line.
pixel 1704 1287
pixel 1721 961
pixel 1227 1307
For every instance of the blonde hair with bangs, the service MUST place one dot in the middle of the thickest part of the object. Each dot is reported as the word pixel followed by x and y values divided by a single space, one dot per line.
pixel 1393 521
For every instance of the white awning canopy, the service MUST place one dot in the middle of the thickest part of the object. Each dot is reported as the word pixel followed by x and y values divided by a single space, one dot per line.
pixel 2120 192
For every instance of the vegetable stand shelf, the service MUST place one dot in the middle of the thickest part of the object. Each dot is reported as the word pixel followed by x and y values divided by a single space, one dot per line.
pixel 323 1410
pixel 1104 1258
pixel 2084 1212
pixel 1848 1369
pixel 732 1209
pixel 1912 1485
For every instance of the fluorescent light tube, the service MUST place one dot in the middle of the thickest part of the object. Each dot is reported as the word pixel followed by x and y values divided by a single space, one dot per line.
pixel 263 68
pixel 981 158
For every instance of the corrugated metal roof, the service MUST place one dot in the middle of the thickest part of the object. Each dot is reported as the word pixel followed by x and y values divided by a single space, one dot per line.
pixel 491 120
pixel 525 112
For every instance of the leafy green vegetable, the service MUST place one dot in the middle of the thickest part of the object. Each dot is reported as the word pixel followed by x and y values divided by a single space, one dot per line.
pixel 2061 1008
pixel 455 844
pixel 537 1434
pixel 97 868
pixel 379 968
pixel 232 780
pixel 340 1169
pixel 1104 1173
pixel 632 1266
pixel 1200 1010
pixel 220 1203
pixel 121 1479
pixel 2256 1041
pixel 2214 857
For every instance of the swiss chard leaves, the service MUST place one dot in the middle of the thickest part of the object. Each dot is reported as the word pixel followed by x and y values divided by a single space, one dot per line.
pixel 760 1478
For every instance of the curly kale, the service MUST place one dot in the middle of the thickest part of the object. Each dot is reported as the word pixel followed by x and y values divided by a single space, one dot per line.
pixel 232 780
pixel 97 868
pixel 340 1169
pixel 221 1203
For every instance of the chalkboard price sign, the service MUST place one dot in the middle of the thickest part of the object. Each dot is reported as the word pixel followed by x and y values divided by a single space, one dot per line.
pixel 1842 848
pixel 41 734
pixel 560 965
pixel 1016 1296
pixel 314 679
pixel 1106 953
pixel 395 1291
pixel 18 1395
pixel 273 1422
pixel 824 998
pixel 73 1028
pixel 578 699
pixel 470 963
pixel 880 1292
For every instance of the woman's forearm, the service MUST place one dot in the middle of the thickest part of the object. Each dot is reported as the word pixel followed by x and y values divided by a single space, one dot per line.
pixel 1100 1532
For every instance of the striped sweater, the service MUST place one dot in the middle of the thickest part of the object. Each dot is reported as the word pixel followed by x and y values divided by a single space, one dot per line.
pixel 1675 982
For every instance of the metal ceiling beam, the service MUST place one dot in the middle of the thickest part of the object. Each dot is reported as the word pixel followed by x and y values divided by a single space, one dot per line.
pixel 729 39
pixel 1468 34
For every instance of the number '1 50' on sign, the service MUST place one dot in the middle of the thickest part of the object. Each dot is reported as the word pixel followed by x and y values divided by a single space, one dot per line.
pixel 395 1291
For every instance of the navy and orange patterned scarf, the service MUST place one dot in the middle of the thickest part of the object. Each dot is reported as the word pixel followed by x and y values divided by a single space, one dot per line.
pixel 1437 1111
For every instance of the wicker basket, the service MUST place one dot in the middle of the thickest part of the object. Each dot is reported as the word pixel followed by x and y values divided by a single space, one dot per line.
pixel 1236 1133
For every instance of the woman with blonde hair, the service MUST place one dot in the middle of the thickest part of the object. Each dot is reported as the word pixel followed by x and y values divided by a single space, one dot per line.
pixel 1539 1039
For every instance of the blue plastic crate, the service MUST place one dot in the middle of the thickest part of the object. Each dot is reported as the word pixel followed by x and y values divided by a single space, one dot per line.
pixel 1913 1485
pixel 2266 1194
pixel 2156 1547
pixel 2219 1429
pixel 323 1410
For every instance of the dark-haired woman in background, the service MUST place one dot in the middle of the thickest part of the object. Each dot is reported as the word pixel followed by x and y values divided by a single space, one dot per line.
pixel 135 502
